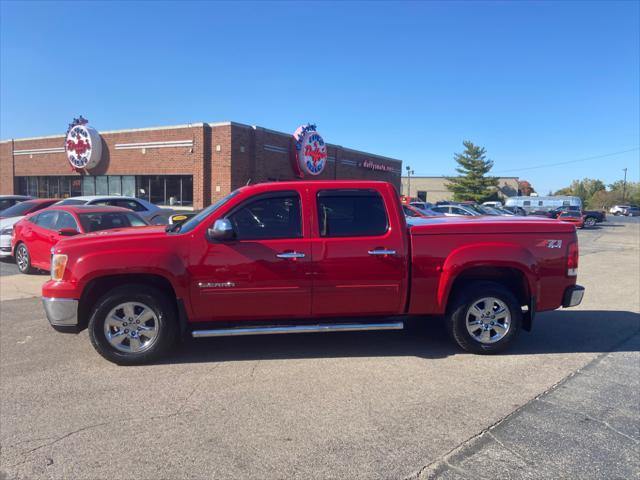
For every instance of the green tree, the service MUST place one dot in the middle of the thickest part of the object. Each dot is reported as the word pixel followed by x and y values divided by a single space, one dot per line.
pixel 585 189
pixel 472 183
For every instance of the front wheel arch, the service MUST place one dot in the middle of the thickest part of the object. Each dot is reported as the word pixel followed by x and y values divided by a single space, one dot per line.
pixel 97 287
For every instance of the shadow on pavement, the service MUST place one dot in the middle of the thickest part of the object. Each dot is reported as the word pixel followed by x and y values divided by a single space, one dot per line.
pixel 562 331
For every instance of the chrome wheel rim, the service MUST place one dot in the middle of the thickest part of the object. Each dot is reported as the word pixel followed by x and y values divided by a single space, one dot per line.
pixel 488 320
pixel 131 327
pixel 22 258
pixel 590 221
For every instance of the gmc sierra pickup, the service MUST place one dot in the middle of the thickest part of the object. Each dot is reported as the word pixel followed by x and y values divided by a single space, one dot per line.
pixel 312 256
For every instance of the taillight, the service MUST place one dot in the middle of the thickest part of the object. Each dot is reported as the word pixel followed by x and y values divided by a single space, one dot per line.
pixel 572 259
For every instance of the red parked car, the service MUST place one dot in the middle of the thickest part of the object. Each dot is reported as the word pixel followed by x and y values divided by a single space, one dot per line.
pixel 572 216
pixel 309 256
pixel 35 235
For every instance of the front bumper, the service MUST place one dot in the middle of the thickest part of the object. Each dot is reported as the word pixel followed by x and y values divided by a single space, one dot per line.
pixel 61 312
pixel 572 296
pixel 5 246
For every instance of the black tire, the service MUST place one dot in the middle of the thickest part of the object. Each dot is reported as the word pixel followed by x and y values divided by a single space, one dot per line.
pixel 156 301
pixel 590 222
pixel 469 295
pixel 23 259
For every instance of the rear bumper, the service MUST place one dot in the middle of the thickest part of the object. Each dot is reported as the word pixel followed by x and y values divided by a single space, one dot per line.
pixel 61 312
pixel 572 296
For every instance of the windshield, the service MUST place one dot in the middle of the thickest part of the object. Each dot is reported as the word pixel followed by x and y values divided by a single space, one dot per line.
pixel 193 222
pixel 19 209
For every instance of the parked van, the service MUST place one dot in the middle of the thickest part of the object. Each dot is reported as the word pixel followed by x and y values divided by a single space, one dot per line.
pixel 545 203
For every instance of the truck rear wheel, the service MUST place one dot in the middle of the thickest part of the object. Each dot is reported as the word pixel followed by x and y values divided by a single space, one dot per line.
pixel 485 318
pixel 133 325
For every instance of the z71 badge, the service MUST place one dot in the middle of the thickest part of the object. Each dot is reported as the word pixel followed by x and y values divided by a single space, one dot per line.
pixel 550 243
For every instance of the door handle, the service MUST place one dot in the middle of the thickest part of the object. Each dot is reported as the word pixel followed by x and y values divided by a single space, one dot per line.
pixel 290 255
pixel 382 252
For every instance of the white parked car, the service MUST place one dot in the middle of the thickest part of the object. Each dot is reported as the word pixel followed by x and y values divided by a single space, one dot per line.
pixel 147 210
pixel 618 209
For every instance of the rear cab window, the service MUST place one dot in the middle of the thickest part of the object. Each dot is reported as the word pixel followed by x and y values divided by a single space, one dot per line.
pixel 351 213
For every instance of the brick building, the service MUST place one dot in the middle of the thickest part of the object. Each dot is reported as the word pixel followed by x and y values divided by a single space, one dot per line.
pixel 434 189
pixel 183 165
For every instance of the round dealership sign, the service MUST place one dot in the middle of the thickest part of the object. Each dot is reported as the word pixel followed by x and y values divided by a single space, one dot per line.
pixel 83 145
pixel 311 151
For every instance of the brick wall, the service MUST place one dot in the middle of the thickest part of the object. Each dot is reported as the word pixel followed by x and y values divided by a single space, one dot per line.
pixel 6 168
pixel 223 157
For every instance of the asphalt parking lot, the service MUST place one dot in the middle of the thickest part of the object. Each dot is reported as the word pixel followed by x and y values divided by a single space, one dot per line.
pixel 562 403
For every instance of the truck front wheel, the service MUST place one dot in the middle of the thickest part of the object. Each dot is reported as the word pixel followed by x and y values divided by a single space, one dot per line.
pixel 485 318
pixel 133 325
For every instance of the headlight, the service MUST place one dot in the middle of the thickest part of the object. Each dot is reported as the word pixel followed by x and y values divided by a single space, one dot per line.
pixel 58 264
pixel 7 231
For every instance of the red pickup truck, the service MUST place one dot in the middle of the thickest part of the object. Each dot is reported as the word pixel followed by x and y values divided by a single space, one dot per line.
pixel 315 256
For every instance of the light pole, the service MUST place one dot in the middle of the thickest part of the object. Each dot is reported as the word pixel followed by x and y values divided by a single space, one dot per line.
pixel 409 173
pixel 624 184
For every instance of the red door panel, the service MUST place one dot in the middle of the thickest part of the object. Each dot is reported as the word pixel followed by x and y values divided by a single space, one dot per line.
pixel 356 272
pixel 248 280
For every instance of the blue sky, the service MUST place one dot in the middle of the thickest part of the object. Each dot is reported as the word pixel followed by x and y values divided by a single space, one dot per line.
pixel 536 83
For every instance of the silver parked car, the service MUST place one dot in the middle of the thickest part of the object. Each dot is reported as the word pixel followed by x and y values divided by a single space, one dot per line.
pixel 147 210
pixel 456 210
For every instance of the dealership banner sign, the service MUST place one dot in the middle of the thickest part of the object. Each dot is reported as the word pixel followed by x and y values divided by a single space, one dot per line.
pixel 83 144
pixel 310 151
pixel 380 167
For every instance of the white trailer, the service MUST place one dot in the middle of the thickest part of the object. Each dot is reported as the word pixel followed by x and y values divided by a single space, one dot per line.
pixel 545 203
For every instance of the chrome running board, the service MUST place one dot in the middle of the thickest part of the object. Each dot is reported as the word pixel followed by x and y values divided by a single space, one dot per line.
pixel 276 329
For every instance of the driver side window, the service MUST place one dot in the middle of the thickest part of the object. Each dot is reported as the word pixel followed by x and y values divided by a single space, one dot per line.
pixel 272 217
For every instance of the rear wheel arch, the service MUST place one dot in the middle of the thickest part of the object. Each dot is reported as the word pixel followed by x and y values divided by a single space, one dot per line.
pixel 513 279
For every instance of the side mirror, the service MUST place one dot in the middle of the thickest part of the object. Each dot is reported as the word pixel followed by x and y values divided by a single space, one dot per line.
pixel 68 232
pixel 222 230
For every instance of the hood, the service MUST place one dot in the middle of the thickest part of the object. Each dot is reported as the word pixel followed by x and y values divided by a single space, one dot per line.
pixel 486 224
pixel 9 222
pixel 107 237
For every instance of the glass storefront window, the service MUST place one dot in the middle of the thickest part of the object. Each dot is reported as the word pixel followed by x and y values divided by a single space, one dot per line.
pixel 88 185
pixel 171 190
pixel 115 185
pixel 142 187
pixel 156 187
pixel 75 187
pixel 173 185
pixel 187 190
pixel 102 185
pixel 129 186
pixel 43 190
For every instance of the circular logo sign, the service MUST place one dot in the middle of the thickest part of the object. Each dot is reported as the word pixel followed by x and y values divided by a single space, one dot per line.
pixel 83 146
pixel 311 151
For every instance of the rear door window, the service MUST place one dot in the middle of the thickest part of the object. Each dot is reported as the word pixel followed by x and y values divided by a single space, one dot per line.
pixel 351 213
pixel 66 220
